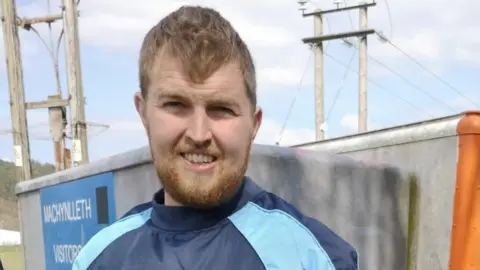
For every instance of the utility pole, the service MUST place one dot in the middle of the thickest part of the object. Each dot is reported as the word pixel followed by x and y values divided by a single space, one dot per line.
pixel 319 82
pixel 55 104
pixel 16 89
pixel 317 42
pixel 362 75
pixel 75 85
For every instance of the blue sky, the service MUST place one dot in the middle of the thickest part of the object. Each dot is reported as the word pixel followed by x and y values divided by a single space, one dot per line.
pixel 111 32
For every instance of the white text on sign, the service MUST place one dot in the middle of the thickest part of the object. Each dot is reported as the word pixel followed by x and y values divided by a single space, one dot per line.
pixel 66 253
pixel 68 211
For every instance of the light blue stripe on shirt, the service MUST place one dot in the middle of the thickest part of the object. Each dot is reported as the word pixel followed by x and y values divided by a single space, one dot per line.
pixel 105 237
pixel 281 241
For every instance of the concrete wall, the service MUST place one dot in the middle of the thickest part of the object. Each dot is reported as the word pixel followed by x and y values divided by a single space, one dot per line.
pixel 429 150
pixel 367 203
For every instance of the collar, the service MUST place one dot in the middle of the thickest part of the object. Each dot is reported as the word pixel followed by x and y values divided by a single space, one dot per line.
pixel 181 219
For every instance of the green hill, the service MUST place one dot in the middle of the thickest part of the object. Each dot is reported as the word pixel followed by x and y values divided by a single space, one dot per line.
pixel 8 203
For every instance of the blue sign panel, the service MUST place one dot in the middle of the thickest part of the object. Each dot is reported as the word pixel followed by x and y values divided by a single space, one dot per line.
pixel 72 212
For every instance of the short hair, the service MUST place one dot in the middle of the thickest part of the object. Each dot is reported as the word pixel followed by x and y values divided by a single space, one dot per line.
pixel 202 41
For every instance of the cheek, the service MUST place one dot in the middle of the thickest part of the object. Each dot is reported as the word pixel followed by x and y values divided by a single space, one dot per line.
pixel 163 129
pixel 233 139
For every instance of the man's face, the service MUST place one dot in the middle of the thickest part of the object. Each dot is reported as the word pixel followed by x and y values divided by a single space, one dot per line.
pixel 200 134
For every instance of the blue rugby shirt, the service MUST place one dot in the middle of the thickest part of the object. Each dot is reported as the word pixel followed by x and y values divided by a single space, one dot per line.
pixel 254 230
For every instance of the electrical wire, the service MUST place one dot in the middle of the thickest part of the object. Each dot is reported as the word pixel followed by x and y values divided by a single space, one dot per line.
pixel 412 84
pixel 349 15
pixel 318 7
pixel 381 87
pixel 340 88
pixel 342 84
pixel 53 52
pixel 389 18
pixel 327 24
pixel 54 55
pixel 409 82
pixel 433 74
pixel 282 130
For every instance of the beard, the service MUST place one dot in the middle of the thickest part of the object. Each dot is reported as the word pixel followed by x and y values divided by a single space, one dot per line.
pixel 201 190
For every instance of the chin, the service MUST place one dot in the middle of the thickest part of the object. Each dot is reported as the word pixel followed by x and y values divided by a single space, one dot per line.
pixel 200 189
pixel 204 190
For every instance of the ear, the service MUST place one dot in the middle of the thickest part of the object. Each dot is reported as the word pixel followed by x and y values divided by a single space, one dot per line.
pixel 140 105
pixel 257 121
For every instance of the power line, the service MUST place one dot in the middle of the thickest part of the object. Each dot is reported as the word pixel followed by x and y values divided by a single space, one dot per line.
pixel 347 69
pixel 409 82
pixel 389 19
pixel 342 84
pixel 54 55
pixel 381 87
pixel 349 15
pixel 282 130
pixel 326 19
pixel 327 23
pixel 430 71
pixel 318 39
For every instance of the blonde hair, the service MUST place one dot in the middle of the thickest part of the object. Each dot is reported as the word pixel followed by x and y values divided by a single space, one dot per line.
pixel 202 41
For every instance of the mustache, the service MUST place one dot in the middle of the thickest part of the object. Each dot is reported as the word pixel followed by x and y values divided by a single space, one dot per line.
pixel 210 150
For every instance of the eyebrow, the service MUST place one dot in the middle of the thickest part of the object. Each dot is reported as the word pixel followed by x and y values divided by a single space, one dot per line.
pixel 216 98
pixel 228 102
pixel 162 93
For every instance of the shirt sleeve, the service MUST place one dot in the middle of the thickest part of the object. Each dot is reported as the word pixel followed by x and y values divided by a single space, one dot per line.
pixel 342 255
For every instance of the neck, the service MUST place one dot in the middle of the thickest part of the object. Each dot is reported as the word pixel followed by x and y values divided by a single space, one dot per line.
pixel 169 201
pixel 169 215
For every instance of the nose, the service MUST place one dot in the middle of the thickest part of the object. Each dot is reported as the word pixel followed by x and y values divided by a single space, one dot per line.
pixel 199 131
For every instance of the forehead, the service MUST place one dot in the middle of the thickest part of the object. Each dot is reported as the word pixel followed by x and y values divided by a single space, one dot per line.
pixel 168 74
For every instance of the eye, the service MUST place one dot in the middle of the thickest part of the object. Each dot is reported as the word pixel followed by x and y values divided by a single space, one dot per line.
pixel 173 104
pixel 223 110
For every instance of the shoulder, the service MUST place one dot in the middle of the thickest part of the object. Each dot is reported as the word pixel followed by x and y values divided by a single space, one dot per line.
pixel 318 247
pixel 137 209
pixel 132 220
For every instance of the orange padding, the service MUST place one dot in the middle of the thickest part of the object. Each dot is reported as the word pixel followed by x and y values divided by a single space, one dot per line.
pixel 465 238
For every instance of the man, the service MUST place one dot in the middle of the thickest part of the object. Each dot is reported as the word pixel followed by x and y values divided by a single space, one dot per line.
pixel 198 105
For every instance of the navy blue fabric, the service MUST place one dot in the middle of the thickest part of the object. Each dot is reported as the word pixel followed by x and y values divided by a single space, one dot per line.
pixel 245 233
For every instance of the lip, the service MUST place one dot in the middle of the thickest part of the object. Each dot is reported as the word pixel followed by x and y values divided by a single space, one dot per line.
pixel 199 167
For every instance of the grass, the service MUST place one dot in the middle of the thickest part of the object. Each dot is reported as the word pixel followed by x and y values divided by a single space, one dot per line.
pixel 12 257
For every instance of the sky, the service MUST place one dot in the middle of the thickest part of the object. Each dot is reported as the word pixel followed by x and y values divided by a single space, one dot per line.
pixel 438 34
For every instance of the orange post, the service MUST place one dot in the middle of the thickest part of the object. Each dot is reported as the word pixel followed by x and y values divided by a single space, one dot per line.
pixel 465 238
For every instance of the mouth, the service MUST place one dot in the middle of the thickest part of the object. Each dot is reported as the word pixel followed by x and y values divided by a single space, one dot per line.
pixel 199 162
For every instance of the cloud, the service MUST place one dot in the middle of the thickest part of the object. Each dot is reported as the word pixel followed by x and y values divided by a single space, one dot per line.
pixel 274 29
pixel 435 31
pixel 438 33
pixel 270 131
pixel 350 123
pixel 122 24
pixel 282 76
pixel 275 40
